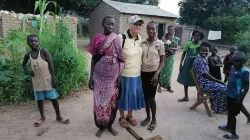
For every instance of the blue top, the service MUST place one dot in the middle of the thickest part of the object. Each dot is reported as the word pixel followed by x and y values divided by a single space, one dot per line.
pixel 200 67
pixel 236 78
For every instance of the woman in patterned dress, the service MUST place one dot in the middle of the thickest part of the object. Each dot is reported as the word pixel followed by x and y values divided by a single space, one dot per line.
pixel 208 83
pixel 167 71
pixel 106 65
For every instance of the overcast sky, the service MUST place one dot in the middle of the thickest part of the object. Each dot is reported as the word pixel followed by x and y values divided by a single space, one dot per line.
pixel 170 6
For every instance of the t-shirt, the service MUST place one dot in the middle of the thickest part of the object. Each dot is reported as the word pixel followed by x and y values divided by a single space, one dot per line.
pixel 132 53
pixel 190 45
pixel 237 76
pixel 151 55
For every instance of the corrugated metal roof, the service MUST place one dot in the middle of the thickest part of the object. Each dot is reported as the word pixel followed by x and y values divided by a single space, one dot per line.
pixel 139 9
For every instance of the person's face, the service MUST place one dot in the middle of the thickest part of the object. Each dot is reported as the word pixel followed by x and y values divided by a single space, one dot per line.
pixel 136 27
pixel 232 50
pixel 214 51
pixel 171 30
pixel 238 63
pixel 108 25
pixel 197 37
pixel 204 51
pixel 33 42
pixel 151 30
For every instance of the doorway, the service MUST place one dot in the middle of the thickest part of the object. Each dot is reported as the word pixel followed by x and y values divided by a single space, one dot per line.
pixel 161 30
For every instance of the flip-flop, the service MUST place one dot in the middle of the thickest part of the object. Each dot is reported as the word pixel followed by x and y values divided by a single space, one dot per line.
pixel 152 126
pixel 131 120
pixel 223 128
pixel 145 122
pixel 123 122
pixel 231 136
pixel 63 121
pixel 183 100
pixel 39 123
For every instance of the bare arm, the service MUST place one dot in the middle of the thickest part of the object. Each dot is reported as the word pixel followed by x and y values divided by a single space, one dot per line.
pixel 211 78
pixel 182 59
pixel 24 65
pixel 51 66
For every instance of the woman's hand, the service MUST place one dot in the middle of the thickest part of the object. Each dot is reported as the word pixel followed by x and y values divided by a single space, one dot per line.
pixel 155 79
pixel 180 68
pixel 91 83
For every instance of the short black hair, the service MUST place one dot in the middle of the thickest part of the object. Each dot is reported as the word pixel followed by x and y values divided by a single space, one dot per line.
pixel 33 35
pixel 239 56
pixel 154 23
pixel 105 18
pixel 202 35
pixel 206 44
pixel 170 26
pixel 213 48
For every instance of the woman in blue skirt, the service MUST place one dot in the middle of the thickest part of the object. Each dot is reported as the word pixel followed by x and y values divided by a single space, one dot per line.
pixel 131 85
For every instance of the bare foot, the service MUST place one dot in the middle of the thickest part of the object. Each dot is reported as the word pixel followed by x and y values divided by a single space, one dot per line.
pixel 159 89
pixel 248 121
pixel 99 133
pixel 112 131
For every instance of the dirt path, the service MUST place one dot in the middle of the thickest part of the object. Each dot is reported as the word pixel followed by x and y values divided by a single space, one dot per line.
pixel 175 120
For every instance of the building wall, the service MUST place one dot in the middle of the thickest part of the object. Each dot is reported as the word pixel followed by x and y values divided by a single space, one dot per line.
pixel 11 21
pixel 96 16
pixel 124 23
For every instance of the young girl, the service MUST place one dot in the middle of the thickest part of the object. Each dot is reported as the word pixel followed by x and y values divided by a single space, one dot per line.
pixel 153 56
pixel 190 50
pixel 215 64
pixel 43 78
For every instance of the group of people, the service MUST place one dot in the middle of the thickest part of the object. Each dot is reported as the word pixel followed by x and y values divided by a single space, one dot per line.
pixel 126 70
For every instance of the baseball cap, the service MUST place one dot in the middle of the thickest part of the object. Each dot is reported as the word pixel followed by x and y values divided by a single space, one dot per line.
pixel 134 19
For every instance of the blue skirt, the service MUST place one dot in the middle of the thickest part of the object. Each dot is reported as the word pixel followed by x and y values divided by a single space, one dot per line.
pixel 132 94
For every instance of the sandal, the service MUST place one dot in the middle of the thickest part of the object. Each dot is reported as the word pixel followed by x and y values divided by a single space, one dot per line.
pixel 231 136
pixel 123 122
pixel 145 122
pixel 131 120
pixel 61 120
pixel 223 128
pixel 39 123
pixel 152 126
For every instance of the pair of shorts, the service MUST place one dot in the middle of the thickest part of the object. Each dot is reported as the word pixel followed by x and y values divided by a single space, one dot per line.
pixel 232 106
pixel 148 89
pixel 42 95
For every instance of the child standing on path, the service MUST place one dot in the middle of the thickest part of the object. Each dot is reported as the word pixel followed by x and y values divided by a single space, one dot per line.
pixel 238 86
pixel 215 63
pixel 190 51
pixel 43 78
pixel 228 63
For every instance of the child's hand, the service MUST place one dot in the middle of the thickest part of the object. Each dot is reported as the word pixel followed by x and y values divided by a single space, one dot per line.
pixel 31 73
pixel 154 80
pixel 53 82
pixel 91 83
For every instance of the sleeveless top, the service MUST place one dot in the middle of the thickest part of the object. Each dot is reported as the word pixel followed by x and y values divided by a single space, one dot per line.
pixel 42 79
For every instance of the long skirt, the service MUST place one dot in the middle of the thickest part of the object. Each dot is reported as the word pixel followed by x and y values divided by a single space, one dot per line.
pixel 106 114
pixel 218 97
pixel 166 72
pixel 131 94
